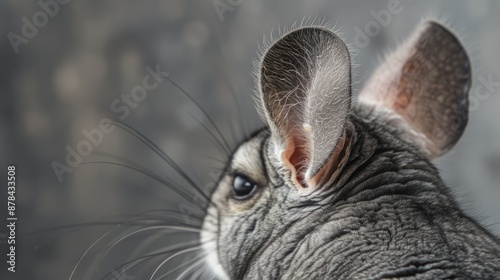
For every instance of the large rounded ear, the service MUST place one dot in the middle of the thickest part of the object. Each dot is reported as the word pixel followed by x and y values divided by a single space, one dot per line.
pixel 305 92
pixel 426 82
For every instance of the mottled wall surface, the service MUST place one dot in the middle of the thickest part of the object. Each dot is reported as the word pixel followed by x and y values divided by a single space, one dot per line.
pixel 62 73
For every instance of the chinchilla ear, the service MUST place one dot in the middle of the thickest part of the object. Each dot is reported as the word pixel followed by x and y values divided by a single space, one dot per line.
pixel 426 82
pixel 305 92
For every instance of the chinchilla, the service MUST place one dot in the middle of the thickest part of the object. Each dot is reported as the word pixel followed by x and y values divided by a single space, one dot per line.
pixel 336 189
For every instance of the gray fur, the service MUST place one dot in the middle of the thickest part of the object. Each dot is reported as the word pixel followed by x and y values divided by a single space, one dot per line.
pixel 381 212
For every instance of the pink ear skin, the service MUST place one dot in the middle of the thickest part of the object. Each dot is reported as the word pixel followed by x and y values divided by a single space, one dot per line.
pixel 295 159
pixel 426 82
pixel 328 174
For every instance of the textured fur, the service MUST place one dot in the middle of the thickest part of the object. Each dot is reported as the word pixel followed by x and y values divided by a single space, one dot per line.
pixel 378 209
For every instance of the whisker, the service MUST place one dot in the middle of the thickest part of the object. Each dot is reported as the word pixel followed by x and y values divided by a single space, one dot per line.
pixel 187 264
pixel 141 259
pixel 86 251
pixel 126 222
pixel 164 156
pixel 198 273
pixel 186 229
pixel 171 185
pixel 149 241
pixel 232 90
pixel 201 109
pixel 173 256
pixel 120 222
pixel 208 273
pixel 234 137
pixel 191 267
pixel 216 160
pixel 138 248
pixel 130 163
pixel 92 246
pixel 217 141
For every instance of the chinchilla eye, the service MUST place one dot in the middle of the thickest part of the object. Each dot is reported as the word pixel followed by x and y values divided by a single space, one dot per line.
pixel 243 187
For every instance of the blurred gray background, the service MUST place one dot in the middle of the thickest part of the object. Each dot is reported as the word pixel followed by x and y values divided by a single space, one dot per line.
pixel 83 57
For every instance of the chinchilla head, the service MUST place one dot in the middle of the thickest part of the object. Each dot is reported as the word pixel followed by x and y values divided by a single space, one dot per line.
pixel 336 188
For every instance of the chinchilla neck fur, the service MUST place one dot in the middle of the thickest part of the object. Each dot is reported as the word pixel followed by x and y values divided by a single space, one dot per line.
pixel 390 216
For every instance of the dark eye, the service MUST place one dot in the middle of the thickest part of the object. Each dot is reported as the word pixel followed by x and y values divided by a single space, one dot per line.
pixel 243 187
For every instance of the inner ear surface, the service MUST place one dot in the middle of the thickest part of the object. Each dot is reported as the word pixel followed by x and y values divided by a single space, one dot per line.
pixel 426 82
pixel 305 91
